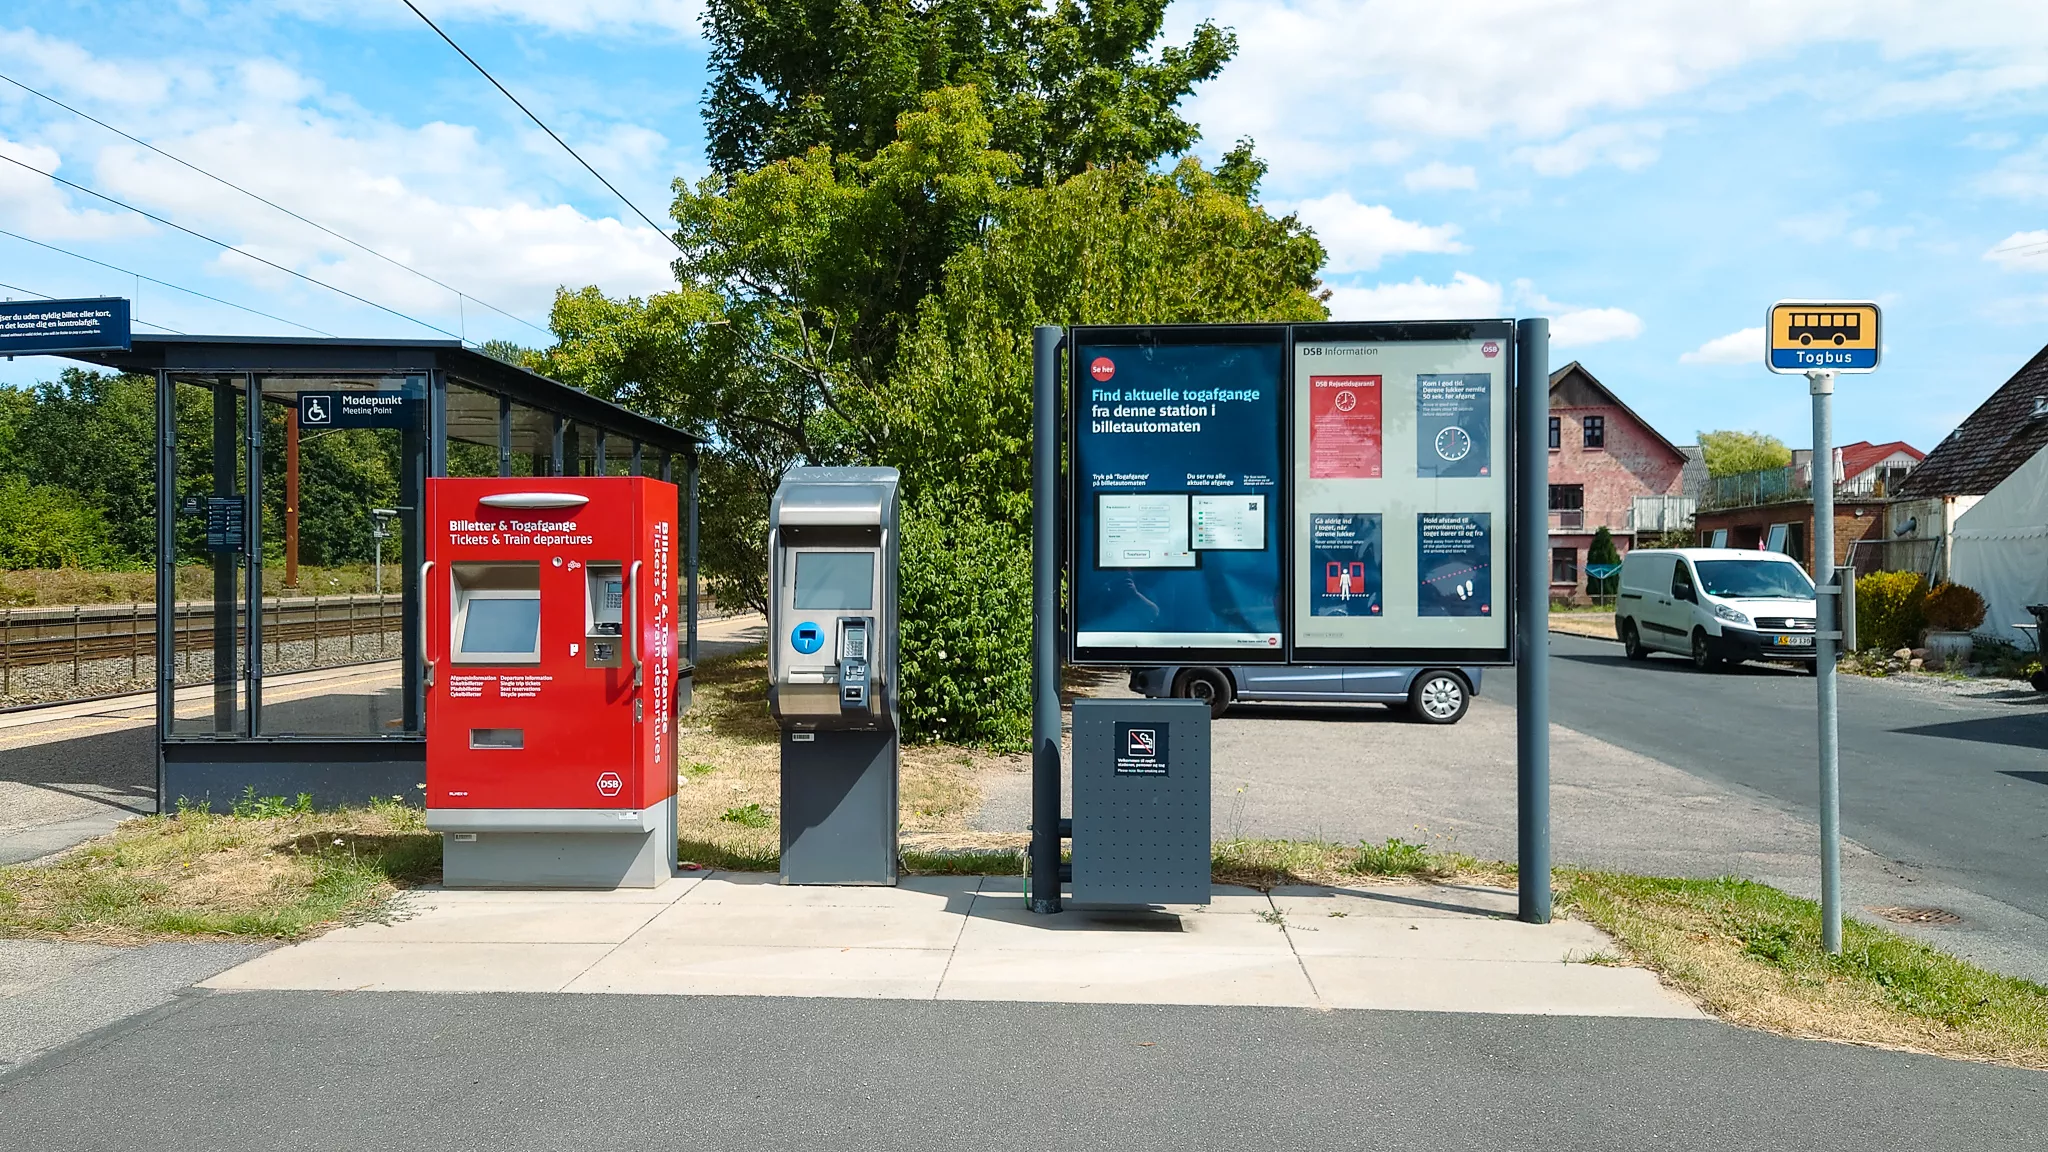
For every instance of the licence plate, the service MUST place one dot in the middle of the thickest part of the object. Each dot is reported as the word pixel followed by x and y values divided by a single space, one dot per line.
pixel 1793 641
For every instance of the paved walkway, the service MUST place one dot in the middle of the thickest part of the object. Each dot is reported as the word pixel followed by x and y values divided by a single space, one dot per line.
pixel 1415 947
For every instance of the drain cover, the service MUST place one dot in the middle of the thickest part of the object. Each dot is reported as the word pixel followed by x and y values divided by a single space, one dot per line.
pixel 1918 915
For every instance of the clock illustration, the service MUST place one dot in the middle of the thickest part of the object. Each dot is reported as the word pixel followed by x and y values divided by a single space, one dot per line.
pixel 1453 443
pixel 1346 400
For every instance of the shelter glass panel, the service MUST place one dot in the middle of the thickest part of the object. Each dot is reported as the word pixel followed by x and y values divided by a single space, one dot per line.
pixel 209 551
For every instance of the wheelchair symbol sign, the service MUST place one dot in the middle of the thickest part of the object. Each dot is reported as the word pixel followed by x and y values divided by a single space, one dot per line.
pixel 316 409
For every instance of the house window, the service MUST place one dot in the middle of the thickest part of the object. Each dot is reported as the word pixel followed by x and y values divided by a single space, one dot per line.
pixel 1564 566
pixel 1595 428
pixel 1556 434
pixel 1567 497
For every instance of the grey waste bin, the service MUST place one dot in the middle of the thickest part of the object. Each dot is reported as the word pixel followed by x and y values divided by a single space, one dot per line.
pixel 1141 802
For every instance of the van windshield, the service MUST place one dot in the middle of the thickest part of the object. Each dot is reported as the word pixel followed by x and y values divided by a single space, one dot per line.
pixel 1754 580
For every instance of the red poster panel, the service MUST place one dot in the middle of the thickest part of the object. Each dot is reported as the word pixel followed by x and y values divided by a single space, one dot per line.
pixel 1344 427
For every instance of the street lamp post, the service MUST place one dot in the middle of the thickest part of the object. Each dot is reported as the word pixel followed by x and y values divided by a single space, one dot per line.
pixel 380 527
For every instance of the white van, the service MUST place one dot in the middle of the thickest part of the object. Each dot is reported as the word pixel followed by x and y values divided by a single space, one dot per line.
pixel 1716 605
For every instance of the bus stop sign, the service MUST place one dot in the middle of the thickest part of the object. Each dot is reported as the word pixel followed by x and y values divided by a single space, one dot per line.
pixel 1822 336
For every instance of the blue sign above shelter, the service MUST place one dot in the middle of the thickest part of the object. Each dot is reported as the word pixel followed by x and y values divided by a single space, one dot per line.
pixel 56 327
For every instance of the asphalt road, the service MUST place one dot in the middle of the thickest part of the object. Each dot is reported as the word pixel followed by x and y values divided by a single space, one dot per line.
pixel 519 1072
pixel 1953 784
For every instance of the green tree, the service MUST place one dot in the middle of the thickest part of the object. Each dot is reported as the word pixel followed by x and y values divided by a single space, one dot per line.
pixel 1067 85
pixel 44 526
pixel 1729 452
pixel 92 435
pixel 1602 551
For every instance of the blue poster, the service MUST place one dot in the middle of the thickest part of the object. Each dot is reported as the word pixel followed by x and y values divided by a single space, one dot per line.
pixel 1454 559
pixel 1344 564
pixel 97 324
pixel 1176 498
pixel 1453 424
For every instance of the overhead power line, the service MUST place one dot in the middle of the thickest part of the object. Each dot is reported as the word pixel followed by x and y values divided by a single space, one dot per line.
pixel 230 247
pixel 164 283
pixel 47 296
pixel 543 127
pixel 272 204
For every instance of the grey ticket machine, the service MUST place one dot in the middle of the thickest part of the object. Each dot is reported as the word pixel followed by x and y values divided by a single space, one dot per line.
pixel 832 672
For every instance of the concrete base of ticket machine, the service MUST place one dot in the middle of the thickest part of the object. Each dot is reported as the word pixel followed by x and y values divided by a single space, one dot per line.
pixel 839 807
pixel 577 848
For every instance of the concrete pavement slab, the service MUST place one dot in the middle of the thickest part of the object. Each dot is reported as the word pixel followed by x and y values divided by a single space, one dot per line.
pixel 1429 938
pixel 667 892
pixel 1135 977
pixel 1003 924
pixel 766 889
pixel 414 966
pixel 501 922
pixel 1397 899
pixel 668 968
pixel 805 926
pixel 1546 989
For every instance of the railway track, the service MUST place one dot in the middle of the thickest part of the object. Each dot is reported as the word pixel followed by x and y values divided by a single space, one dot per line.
pixel 32 637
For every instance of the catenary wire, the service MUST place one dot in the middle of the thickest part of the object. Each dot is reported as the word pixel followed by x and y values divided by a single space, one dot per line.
pixel 543 127
pixel 47 296
pixel 229 247
pixel 164 283
pixel 272 204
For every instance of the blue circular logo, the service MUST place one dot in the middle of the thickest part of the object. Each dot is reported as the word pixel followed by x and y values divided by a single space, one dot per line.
pixel 807 638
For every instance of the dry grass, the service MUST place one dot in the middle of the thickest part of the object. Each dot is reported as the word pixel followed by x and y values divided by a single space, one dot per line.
pixel 41 587
pixel 1751 955
pixel 729 788
pixel 275 872
pixel 1267 864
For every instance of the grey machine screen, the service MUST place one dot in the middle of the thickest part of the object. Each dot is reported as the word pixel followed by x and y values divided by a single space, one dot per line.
pixel 493 625
pixel 831 581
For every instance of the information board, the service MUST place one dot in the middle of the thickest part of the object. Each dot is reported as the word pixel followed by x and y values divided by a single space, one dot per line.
pixel 1401 477
pixel 1305 494
pixel 1175 530
pixel 55 327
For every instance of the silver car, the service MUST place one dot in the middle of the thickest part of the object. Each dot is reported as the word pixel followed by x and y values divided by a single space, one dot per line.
pixel 1428 695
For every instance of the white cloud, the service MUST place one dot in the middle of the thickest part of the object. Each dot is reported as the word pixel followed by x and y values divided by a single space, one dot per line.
pixel 1439 176
pixel 1358 236
pixel 1465 297
pixel 2021 252
pixel 578 16
pixel 1626 146
pixel 37 206
pixel 1581 326
pixel 2020 176
pixel 1744 347
pixel 465 209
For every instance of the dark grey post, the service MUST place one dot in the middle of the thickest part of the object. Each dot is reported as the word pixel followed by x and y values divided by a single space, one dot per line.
pixel 504 436
pixel 252 546
pixel 412 521
pixel 599 465
pixel 555 461
pixel 224 652
pixel 634 470
pixel 437 427
pixel 690 560
pixel 166 570
pixel 1045 607
pixel 1532 553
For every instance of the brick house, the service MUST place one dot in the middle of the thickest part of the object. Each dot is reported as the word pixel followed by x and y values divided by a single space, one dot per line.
pixel 1773 509
pixel 1608 469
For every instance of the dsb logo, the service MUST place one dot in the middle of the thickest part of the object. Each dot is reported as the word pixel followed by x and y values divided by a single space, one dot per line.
pixel 1142 744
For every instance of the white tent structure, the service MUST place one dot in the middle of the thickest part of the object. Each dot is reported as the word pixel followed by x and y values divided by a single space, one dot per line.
pixel 2001 548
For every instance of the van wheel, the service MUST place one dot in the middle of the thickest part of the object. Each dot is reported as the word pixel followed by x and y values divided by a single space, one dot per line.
pixel 1207 686
pixel 1703 657
pixel 1438 698
pixel 1632 642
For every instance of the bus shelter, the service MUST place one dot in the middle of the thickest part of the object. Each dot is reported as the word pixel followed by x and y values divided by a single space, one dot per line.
pixel 268 684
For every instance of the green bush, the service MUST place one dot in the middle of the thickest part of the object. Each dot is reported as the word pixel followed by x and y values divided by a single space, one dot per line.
pixel 966 607
pixel 1602 551
pixel 1954 608
pixel 1890 610
pixel 46 527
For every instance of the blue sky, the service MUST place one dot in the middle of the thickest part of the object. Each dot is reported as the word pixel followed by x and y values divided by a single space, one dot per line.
pixel 1651 175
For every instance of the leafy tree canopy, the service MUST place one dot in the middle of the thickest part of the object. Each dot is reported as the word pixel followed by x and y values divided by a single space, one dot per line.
pixel 1730 452
pixel 1067 85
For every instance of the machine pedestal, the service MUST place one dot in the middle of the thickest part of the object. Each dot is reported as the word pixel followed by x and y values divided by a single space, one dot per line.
pixel 634 856
pixel 839 807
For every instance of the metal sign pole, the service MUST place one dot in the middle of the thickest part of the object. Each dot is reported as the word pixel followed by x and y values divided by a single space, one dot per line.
pixel 1532 675
pixel 1826 644
pixel 1045 606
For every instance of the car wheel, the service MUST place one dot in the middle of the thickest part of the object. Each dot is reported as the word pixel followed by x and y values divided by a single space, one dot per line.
pixel 1438 698
pixel 1208 687
pixel 1632 642
pixel 1703 657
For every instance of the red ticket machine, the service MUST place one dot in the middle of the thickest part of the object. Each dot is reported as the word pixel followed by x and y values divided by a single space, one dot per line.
pixel 552 675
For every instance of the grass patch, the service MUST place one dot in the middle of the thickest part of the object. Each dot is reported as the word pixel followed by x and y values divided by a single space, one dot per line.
pixel 275 871
pixel 1272 863
pixel 1751 954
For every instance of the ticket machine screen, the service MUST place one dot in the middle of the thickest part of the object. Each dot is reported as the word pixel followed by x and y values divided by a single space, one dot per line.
pixel 501 627
pixel 835 581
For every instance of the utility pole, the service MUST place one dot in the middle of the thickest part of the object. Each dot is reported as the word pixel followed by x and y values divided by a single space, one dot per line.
pixel 1826 649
